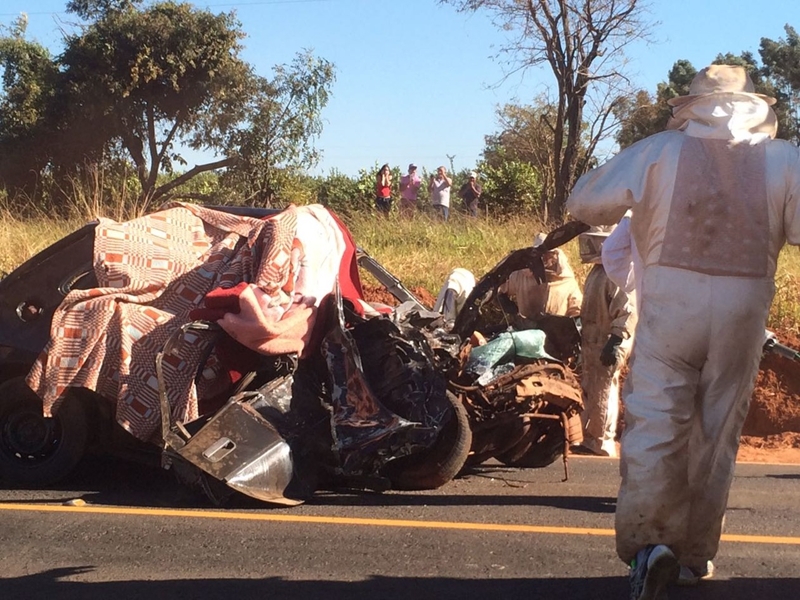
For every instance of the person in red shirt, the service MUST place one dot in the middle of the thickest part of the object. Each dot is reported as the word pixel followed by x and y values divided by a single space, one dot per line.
pixel 383 190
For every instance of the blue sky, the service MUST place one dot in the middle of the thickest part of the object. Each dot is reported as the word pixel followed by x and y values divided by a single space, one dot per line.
pixel 416 81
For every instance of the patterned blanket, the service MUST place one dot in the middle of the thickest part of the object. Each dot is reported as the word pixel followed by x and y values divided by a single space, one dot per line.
pixel 152 272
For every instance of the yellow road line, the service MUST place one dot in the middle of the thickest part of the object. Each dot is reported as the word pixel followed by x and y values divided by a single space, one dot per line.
pixel 283 518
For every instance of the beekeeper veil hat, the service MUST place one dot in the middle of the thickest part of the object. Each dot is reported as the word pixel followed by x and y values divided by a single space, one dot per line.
pixel 590 243
pixel 720 92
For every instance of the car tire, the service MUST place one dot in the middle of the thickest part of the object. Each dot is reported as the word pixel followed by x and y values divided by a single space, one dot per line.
pixel 36 450
pixel 435 467
pixel 493 441
pixel 541 447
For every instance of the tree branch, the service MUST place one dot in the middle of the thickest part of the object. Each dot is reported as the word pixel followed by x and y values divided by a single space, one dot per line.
pixel 197 169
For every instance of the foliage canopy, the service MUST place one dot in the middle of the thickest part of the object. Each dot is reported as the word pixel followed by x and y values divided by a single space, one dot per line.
pixel 136 84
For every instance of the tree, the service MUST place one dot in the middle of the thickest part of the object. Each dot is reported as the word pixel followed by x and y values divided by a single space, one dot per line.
pixel 146 79
pixel 644 115
pixel 28 78
pixel 583 43
pixel 509 185
pixel 648 115
pixel 526 135
pixel 133 85
pixel 781 61
pixel 283 119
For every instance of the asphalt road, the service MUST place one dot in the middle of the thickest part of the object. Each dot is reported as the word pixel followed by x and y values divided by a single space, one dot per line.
pixel 497 534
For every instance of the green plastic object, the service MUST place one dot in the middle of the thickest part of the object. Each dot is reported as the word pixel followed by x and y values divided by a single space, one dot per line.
pixel 505 347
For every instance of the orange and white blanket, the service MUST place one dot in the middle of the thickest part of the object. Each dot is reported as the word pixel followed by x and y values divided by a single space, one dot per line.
pixel 154 271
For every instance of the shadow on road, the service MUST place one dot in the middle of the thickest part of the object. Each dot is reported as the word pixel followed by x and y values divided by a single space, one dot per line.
pixel 580 503
pixel 113 482
pixel 61 584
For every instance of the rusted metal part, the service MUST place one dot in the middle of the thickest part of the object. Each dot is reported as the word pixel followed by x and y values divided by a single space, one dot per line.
pixel 504 413
pixel 565 425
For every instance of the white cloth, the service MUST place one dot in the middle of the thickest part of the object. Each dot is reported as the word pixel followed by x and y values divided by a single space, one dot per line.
pixel 619 256
pixel 606 310
pixel 713 203
pixel 461 281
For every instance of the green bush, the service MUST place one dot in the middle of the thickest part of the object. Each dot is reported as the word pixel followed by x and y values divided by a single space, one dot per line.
pixel 344 194
pixel 510 186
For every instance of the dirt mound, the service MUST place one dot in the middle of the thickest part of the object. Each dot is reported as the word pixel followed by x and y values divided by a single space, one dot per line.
pixel 378 293
pixel 775 408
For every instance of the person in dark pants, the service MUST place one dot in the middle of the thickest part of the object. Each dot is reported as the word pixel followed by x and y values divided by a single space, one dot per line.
pixel 383 190
pixel 469 194
pixel 439 190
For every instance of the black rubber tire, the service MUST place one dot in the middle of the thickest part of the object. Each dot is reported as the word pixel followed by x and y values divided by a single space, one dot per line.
pixel 435 467
pixel 536 451
pixel 510 433
pixel 37 451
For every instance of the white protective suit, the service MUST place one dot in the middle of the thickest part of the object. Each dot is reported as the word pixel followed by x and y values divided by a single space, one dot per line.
pixel 606 310
pixel 619 256
pixel 559 295
pixel 460 282
pixel 713 201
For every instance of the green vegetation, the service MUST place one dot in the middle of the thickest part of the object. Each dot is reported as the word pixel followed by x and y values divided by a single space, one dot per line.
pixel 96 128
pixel 136 83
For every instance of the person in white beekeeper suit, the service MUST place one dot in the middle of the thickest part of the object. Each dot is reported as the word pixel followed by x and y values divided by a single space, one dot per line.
pixel 619 256
pixel 713 199
pixel 608 319
pixel 560 294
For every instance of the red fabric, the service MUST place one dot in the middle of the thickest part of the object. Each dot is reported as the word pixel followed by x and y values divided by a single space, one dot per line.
pixel 236 358
pixel 218 302
pixel 349 279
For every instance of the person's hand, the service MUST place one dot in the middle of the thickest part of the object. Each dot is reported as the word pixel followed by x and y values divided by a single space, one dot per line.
pixel 612 354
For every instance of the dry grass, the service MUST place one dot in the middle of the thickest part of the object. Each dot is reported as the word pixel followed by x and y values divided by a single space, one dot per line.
pixel 22 238
pixel 785 311
pixel 420 251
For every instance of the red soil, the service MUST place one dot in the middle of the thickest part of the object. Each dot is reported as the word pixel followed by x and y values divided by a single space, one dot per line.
pixel 773 423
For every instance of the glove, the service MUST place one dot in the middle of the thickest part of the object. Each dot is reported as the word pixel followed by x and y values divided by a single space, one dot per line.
pixel 612 354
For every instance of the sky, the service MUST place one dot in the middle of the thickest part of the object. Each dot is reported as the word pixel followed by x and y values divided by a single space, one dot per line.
pixel 419 82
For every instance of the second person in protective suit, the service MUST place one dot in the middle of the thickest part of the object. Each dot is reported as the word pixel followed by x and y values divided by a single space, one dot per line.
pixel 560 294
pixel 608 319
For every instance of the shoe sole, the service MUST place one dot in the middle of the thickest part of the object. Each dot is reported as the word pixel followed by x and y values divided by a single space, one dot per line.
pixel 664 571
pixel 692 581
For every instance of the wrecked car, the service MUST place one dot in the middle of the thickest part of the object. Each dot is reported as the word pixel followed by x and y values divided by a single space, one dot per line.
pixel 515 376
pixel 230 345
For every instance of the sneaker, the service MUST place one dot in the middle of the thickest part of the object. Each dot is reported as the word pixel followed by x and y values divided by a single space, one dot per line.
pixel 653 569
pixel 689 577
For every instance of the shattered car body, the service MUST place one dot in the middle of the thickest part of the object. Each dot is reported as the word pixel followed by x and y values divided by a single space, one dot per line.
pixel 364 408
pixel 524 409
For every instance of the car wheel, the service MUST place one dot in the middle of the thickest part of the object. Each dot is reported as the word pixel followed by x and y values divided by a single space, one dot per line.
pixel 541 447
pixel 37 450
pixel 433 468
pixel 493 441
